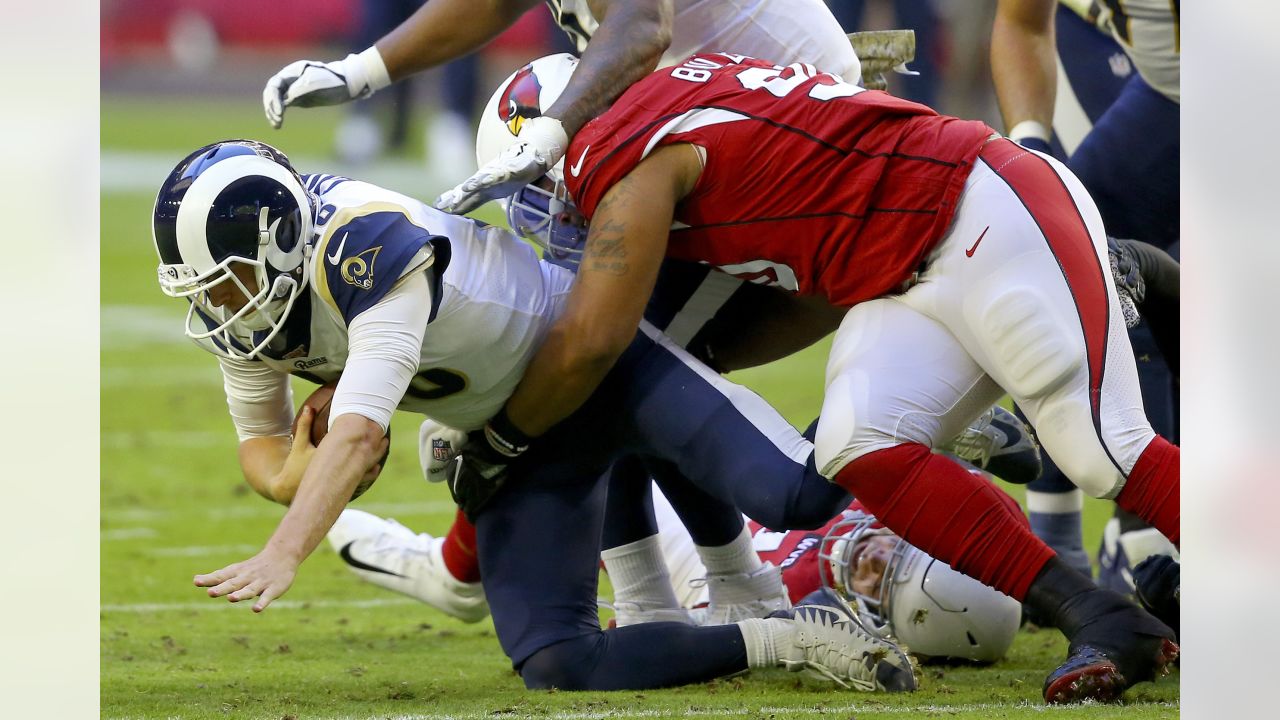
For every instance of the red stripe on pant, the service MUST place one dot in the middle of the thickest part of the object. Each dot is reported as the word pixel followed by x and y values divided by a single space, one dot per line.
pixel 1054 210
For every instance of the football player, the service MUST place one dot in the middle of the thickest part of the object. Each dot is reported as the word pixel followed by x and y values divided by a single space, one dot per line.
pixel 422 311
pixel 970 267
pixel 620 42
pixel 1073 71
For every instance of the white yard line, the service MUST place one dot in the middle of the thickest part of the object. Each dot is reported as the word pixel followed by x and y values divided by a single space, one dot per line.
pixel 219 604
pixel 202 550
pixel 262 509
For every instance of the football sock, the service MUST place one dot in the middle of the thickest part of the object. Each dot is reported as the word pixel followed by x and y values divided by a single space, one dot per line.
pixel 766 640
pixel 737 557
pixel 1151 492
pixel 1057 518
pixel 938 506
pixel 459 550
pixel 639 575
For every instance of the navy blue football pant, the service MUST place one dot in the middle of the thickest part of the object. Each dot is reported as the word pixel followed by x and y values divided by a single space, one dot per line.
pixel 539 539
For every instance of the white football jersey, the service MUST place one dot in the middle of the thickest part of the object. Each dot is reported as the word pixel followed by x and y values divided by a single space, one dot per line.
pixel 782 31
pixel 493 298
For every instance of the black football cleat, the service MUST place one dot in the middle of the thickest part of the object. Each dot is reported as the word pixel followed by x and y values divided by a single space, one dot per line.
pixel 1099 668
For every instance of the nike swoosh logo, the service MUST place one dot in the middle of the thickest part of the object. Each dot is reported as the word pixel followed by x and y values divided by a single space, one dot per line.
pixel 338 253
pixel 969 252
pixel 577 167
pixel 345 554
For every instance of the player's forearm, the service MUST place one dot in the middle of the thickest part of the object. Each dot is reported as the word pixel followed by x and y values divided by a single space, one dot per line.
pixel 263 461
pixel 1023 61
pixel 559 380
pixel 444 30
pixel 627 46
pixel 337 466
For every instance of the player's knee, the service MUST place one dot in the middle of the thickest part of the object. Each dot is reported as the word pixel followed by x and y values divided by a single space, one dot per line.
pixel 1073 443
pixel 1033 350
pixel 567 665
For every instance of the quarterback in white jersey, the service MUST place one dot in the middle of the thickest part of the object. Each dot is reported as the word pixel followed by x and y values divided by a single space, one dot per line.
pixel 485 316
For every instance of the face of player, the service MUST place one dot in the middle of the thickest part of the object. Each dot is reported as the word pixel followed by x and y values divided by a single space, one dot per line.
pixel 229 295
pixel 871 557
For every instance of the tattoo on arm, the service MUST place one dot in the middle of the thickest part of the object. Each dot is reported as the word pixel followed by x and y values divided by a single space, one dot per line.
pixel 606 249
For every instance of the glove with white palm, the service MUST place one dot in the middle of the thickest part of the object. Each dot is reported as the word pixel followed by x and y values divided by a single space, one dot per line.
pixel 309 83
pixel 438 445
pixel 541 144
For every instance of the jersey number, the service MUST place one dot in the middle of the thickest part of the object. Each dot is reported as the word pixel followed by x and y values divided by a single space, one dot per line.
pixel 436 383
pixel 780 81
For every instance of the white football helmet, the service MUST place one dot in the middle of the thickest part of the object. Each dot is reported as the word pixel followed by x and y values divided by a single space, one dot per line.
pixel 236 201
pixel 923 604
pixel 533 212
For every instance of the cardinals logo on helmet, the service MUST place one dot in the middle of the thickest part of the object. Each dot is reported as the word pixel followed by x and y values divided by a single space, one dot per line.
pixel 520 100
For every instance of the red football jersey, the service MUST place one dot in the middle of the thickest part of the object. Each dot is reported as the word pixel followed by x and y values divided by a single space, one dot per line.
pixel 809 183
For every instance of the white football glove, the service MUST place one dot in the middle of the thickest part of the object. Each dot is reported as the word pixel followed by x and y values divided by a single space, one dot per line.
pixel 541 144
pixel 309 83
pixel 438 445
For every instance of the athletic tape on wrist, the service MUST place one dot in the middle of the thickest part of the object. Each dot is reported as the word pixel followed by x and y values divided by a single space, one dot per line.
pixel 504 436
pixel 1029 128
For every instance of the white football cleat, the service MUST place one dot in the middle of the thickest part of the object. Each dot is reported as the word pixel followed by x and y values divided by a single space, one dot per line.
pixel 738 596
pixel 830 642
pixel 390 555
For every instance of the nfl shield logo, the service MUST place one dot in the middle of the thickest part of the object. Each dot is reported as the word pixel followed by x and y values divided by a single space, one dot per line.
pixel 441 449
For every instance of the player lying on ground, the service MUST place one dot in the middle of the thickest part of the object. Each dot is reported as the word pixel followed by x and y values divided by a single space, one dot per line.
pixel 971 267
pixel 435 314
pixel 899 592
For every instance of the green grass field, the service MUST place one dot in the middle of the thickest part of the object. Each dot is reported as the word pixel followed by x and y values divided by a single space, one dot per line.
pixel 173 505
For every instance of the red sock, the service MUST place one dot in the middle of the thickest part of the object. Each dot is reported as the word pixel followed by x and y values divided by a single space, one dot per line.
pixel 949 513
pixel 1152 492
pixel 460 550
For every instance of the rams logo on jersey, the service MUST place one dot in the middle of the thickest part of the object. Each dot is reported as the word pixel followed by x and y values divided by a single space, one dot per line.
pixel 520 100
pixel 358 270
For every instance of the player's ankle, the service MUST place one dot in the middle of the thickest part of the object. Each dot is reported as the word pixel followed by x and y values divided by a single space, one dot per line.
pixel 766 640
pixel 1055 592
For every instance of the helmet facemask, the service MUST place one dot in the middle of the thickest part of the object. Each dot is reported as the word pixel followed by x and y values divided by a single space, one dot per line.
pixel 840 550
pixel 536 213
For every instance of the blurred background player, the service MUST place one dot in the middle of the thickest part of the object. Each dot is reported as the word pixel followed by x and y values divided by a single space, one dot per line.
pixel 1070 67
